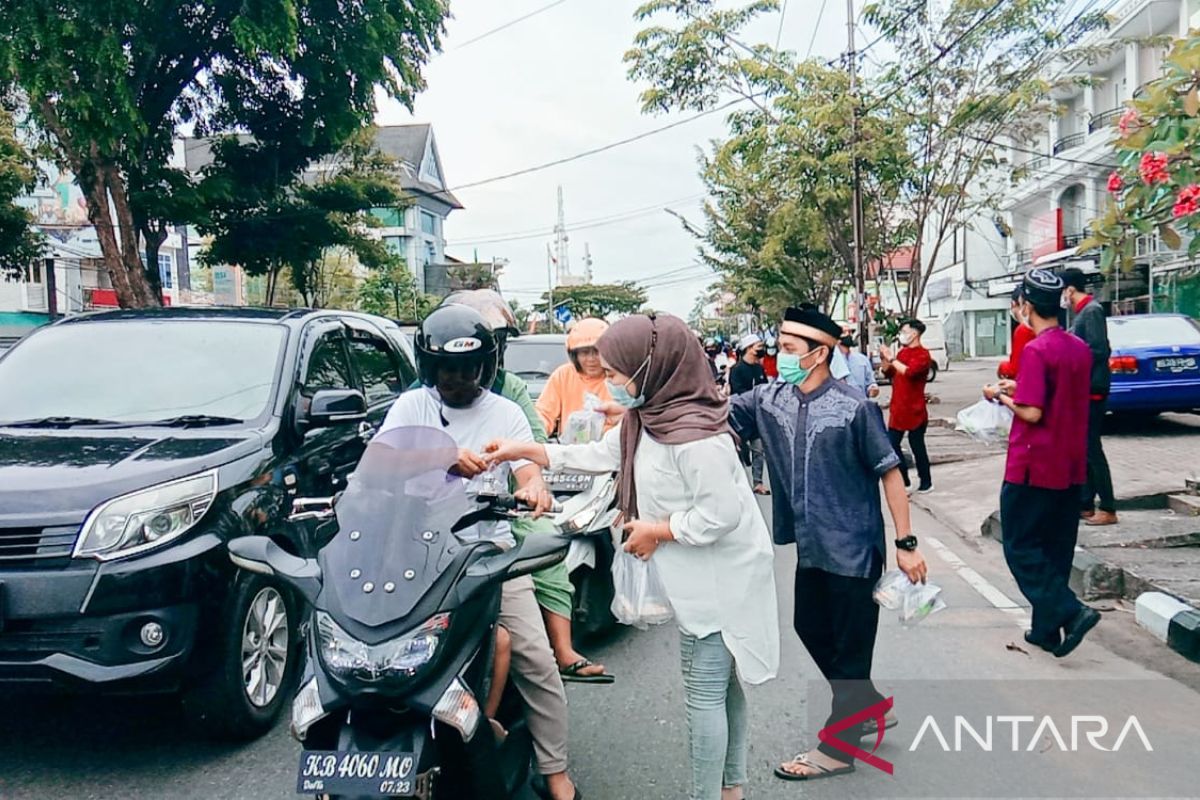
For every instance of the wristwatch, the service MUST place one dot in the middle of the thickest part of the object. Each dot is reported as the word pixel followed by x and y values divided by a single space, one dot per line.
pixel 908 543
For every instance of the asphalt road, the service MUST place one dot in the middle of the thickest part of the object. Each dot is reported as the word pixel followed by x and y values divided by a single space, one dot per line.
pixel 629 742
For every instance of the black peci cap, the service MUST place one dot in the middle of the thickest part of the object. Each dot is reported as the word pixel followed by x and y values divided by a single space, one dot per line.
pixel 1042 287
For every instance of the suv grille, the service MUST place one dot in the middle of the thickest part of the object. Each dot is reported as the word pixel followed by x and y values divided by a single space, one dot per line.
pixel 33 546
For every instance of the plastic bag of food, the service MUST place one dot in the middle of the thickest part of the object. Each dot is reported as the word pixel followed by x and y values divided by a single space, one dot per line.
pixel 639 598
pixel 915 601
pixel 587 424
pixel 985 421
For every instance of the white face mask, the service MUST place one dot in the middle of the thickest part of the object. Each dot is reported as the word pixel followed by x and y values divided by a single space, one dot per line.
pixel 1064 301
pixel 906 338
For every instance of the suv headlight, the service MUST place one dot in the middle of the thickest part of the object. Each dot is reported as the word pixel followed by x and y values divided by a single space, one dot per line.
pixel 399 659
pixel 146 519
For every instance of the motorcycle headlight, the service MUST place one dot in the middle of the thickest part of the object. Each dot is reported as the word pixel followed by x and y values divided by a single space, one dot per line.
pixel 348 658
pixel 146 519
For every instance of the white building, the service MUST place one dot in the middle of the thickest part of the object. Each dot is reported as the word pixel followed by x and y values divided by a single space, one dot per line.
pixel 1045 215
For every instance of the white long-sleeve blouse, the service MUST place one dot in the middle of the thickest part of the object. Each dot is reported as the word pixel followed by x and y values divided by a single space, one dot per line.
pixel 719 572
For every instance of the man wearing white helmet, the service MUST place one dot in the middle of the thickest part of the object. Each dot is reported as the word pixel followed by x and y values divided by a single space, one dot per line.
pixel 743 377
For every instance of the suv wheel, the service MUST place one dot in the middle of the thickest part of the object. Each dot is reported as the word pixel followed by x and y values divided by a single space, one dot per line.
pixel 242 697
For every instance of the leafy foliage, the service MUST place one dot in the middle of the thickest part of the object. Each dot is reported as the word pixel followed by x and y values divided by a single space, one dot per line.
pixel 19 242
pixel 391 291
pixel 108 83
pixel 1156 186
pixel 597 299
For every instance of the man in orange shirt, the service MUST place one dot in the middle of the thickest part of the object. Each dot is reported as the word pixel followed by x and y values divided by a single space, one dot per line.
pixel 1021 336
pixel 570 384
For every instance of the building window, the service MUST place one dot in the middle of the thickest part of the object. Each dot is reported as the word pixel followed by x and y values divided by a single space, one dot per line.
pixel 33 273
pixel 430 252
pixel 428 223
pixel 164 270
pixel 397 245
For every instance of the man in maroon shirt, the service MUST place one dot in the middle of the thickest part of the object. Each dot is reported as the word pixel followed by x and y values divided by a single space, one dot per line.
pixel 1047 465
pixel 909 413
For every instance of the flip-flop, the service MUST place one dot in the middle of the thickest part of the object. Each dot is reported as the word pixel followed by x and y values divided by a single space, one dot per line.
pixel 571 674
pixel 543 791
pixel 871 727
pixel 823 772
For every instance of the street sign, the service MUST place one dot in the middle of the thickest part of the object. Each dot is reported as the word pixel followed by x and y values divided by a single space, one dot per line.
pixel 563 315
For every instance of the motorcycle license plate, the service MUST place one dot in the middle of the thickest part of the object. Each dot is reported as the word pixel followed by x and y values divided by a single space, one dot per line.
pixel 1177 364
pixel 356 773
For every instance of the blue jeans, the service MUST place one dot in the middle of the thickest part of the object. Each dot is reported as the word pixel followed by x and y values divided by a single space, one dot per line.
pixel 716 715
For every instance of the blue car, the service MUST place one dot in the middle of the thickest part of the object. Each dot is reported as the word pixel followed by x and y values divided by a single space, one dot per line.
pixel 1155 363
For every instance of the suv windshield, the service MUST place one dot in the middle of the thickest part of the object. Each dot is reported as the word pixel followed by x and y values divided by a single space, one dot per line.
pixel 1150 331
pixel 534 359
pixel 150 372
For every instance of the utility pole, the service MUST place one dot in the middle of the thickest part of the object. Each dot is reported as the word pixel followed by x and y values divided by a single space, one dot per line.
pixel 550 294
pixel 860 277
pixel 561 241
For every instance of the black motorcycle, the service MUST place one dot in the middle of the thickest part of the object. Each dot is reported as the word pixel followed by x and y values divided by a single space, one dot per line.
pixel 401 631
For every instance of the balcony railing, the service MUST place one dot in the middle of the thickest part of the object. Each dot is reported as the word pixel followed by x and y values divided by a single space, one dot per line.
pixel 1073 240
pixel 1069 141
pixel 1038 164
pixel 1105 119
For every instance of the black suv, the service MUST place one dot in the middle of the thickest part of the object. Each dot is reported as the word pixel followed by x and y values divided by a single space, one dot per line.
pixel 133 446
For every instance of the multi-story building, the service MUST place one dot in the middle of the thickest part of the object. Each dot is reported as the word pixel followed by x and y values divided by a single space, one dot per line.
pixel 417 231
pixel 1059 187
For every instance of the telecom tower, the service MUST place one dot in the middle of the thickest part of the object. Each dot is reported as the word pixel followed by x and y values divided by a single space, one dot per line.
pixel 562 256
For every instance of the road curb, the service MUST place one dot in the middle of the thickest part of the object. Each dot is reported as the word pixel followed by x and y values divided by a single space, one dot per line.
pixel 1172 621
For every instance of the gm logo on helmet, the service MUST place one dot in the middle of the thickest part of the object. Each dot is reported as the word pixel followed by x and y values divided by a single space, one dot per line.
pixel 463 344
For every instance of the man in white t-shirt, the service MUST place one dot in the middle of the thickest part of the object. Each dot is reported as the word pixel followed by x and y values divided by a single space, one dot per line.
pixel 457 356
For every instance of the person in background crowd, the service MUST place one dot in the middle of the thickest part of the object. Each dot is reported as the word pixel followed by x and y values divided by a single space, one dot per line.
pixel 862 373
pixel 1047 464
pixel 769 360
pixel 689 512
pixel 570 384
pixel 1021 336
pixel 1091 325
pixel 710 352
pixel 743 377
pixel 828 451
pixel 909 413
pixel 552 585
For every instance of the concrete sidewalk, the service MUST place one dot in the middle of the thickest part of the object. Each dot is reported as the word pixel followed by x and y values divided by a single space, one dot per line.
pixel 1155 547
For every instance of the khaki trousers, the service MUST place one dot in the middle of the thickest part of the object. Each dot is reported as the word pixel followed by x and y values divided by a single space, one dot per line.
pixel 535 675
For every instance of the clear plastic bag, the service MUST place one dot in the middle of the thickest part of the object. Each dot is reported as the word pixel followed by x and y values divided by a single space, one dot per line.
pixel 986 421
pixel 915 601
pixel 586 425
pixel 639 598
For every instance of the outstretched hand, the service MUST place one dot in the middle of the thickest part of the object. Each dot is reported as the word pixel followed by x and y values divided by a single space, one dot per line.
pixel 469 464
pixel 499 451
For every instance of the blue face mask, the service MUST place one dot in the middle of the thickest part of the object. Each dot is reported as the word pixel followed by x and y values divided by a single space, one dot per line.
pixel 791 370
pixel 620 392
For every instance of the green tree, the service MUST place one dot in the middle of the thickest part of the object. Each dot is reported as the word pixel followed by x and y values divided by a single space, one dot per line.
pixel 19 242
pixel 107 84
pixel 391 291
pixel 1156 185
pixel 288 230
pixel 597 299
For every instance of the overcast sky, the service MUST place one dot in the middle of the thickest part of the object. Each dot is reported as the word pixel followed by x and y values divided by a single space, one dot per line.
pixel 551 87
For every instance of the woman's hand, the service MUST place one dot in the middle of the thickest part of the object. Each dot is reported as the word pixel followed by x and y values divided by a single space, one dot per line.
pixel 613 412
pixel 642 538
pixel 912 564
pixel 502 450
pixel 469 464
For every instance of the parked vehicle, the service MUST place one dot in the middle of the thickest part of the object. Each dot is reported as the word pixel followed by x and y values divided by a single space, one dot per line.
pixel 589 511
pixel 404 617
pixel 534 357
pixel 133 447
pixel 1155 363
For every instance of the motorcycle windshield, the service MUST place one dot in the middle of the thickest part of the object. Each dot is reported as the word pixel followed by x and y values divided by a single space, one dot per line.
pixel 394 525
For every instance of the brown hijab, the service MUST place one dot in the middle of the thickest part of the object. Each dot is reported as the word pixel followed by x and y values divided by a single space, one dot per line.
pixel 682 401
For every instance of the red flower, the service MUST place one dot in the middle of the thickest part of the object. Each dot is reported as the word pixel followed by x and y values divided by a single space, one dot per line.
pixel 1115 183
pixel 1188 202
pixel 1190 194
pixel 1128 120
pixel 1153 168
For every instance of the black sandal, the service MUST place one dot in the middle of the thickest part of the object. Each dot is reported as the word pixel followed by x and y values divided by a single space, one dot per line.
pixel 571 674
pixel 543 791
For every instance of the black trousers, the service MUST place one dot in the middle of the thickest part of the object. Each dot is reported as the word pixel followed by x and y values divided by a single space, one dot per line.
pixel 837 619
pixel 916 439
pixel 1099 478
pixel 1040 530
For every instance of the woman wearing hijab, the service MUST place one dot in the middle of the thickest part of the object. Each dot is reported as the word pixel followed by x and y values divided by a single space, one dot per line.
pixel 709 545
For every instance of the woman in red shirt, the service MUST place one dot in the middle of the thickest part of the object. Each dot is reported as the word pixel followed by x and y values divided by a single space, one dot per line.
pixel 909 414
pixel 1021 336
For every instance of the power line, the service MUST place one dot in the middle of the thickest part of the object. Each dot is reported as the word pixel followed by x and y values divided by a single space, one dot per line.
pixel 597 150
pixel 782 17
pixel 816 30
pixel 509 24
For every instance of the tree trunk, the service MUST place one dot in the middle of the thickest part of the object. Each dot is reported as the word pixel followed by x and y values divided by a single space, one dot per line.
pixel 153 237
pixel 140 293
